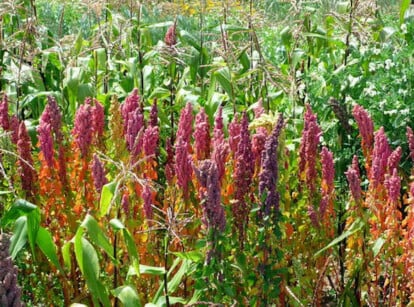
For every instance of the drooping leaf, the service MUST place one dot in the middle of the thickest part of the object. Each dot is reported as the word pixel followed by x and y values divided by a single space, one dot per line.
pixel 96 235
pixel 33 224
pixel 128 296
pixel 356 226
pixel 45 242
pixel 20 207
pixel 405 4
pixel 194 256
pixel 378 245
pixel 107 194
pixel 87 259
pixel 19 238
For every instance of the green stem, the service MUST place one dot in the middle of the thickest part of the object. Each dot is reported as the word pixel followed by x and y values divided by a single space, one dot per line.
pixel 166 241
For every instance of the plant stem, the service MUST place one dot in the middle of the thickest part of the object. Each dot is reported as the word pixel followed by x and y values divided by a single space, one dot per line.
pixel 348 36
pixel 140 54
pixel 166 240
pixel 202 4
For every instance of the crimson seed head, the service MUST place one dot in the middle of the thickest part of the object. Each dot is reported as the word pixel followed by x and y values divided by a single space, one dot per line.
pixel 410 137
pixel 234 134
pixel 52 116
pixel 171 36
pixel 213 212
pixel 98 116
pixel 98 174
pixel 220 146
pixel 394 159
pixel 393 185
pixel 150 140
pixel 243 176
pixel 24 149
pixel 366 128
pixel 147 196
pixel 185 124
pixel 380 155
pixel 46 142
pixel 269 174
pixel 125 203
pixel 14 128
pixel 309 148
pixel 353 177
pixel 129 107
pixel 134 125
pixel 183 165
pixel 4 114
pixel 328 169
pixel 83 128
pixel 10 292
pixel 202 135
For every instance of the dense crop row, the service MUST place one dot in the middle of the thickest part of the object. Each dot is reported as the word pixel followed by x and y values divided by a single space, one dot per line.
pixel 216 212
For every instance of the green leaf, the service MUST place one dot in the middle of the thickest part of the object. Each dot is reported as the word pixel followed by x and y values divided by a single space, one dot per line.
pixel 224 78
pixel 66 255
pixel 178 276
pixel 96 235
pixel 19 208
pixel 378 245
pixel 160 24
pixel 116 224
pixel 45 242
pixel 187 38
pixel 131 247
pixel 128 296
pixel 151 270
pixel 19 238
pixel 33 224
pixel 405 4
pixel 194 256
pixel 107 194
pixel 356 226
pixel 88 262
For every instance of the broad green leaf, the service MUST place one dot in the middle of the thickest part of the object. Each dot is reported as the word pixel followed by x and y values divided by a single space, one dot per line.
pixel 378 245
pixel 405 4
pixel 33 224
pixel 66 255
pixel 151 270
pixel 116 224
pixel 160 24
pixel 19 238
pixel 356 226
pixel 88 262
pixel 171 299
pixel 128 296
pixel 194 256
pixel 96 235
pixel 187 38
pixel 107 194
pixel 230 28
pixel 131 247
pixel 178 276
pixel 223 76
pixel 160 290
pixel 45 242
pixel 19 208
